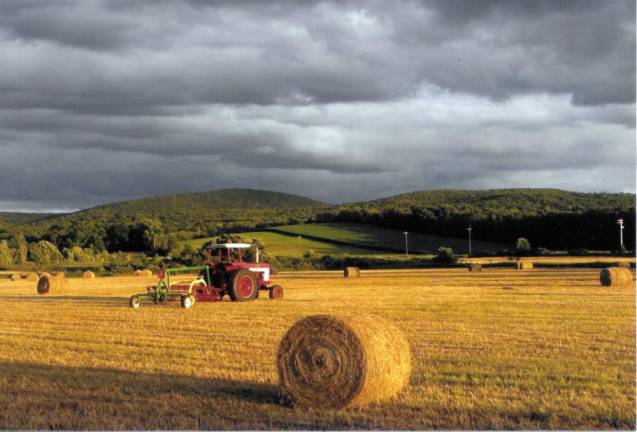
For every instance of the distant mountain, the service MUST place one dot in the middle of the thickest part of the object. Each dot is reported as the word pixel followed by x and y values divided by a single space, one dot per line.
pixel 519 202
pixel 20 218
pixel 192 214
pixel 212 200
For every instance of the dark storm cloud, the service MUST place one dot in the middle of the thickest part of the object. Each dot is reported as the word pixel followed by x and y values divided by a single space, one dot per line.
pixel 338 100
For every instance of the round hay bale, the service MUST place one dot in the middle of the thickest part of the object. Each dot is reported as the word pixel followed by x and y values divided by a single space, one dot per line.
pixel 60 274
pixel 616 277
pixel 16 277
pixel 328 361
pixel 138 273
pixel 48 284
pixel 475 267
pixel 146 273
pixel 524 265
pixel 32 277
pixel 350 272
pixel 88 275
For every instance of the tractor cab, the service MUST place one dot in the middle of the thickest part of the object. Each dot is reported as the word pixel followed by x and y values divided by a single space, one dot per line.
pixel 227 253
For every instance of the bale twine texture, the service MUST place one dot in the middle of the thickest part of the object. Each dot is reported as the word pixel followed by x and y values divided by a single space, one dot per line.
pixel 616 277
pixel 351 272
pixel 333 361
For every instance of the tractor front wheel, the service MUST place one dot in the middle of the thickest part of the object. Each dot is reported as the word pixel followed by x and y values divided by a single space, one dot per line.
pixel 243 286
pixel 275 292
pixel 187 301
pixel 135 302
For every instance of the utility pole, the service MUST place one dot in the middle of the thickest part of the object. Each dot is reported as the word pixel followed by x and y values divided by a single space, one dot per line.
pixel 620 222
pixel 469 230
pixel 405 233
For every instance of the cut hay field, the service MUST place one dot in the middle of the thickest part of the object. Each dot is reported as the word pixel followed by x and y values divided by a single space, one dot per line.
pixel 498 349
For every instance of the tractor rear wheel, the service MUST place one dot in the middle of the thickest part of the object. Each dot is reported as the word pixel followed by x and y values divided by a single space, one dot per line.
pixel 134 301
pixel 243 286
pixel 275 292
pixel 187 301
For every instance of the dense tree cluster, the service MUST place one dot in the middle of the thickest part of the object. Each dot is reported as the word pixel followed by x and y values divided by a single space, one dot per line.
pixel 546 218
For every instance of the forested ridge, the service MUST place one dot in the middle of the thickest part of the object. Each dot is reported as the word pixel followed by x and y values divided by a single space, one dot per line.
pixel 548 218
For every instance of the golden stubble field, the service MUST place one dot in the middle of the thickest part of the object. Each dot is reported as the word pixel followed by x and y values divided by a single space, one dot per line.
pixel 500 349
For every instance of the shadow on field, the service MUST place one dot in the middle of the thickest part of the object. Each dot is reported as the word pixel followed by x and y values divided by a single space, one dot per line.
pixel 97 300
pixel 37 396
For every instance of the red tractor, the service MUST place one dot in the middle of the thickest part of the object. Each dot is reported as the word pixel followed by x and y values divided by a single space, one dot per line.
pixel 225 272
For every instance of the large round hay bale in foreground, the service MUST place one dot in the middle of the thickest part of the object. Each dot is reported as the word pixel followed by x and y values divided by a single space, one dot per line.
pixel 616 277
pixel 88 275
pixel 48 284
pixel 351 272
pixel 475 267
pixel 16 276
pixel 32 277
pixel 330 361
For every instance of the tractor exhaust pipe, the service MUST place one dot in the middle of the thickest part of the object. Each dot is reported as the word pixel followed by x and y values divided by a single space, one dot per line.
pixel 256 255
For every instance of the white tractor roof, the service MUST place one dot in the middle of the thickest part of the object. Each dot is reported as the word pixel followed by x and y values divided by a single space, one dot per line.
pixel 230 246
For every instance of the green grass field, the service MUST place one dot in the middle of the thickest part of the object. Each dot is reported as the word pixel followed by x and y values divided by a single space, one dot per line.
pixel 367 235
pixel 291 246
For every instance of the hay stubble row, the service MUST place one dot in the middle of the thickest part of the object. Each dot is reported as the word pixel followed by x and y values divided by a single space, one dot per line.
pixel 556 351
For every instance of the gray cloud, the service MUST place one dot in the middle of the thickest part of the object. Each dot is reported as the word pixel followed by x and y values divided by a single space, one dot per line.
pixel 336 100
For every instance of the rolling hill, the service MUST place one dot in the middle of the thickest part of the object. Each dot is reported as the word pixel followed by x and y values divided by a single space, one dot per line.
pixel 196 214
pixel 520 202
pixel 550 218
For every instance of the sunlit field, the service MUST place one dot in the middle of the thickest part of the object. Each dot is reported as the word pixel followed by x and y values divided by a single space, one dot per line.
pixel 497 349
pixel 293 246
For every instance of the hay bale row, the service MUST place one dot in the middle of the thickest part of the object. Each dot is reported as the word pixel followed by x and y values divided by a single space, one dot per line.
pixel 616 277
pixel 475 267
pixel 351 272
pixel 329 361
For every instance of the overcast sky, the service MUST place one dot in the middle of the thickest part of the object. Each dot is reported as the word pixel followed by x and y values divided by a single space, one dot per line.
pixel 104 101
